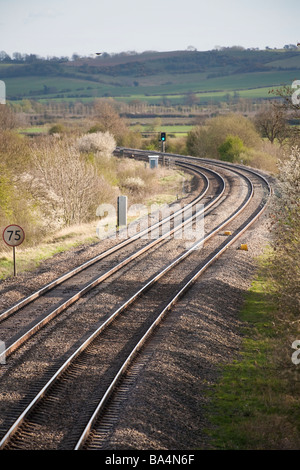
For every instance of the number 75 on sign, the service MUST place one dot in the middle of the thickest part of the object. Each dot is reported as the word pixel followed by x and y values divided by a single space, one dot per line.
pixel 13 235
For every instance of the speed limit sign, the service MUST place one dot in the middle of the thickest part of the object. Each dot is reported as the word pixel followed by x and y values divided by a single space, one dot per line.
pixel 13 235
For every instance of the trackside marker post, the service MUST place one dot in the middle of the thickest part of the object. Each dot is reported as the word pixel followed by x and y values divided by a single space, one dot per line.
pixel 122 211
pixel 13 235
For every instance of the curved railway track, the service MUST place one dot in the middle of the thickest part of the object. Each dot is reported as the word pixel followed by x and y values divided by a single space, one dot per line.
pixel 81 387
pixel 85 277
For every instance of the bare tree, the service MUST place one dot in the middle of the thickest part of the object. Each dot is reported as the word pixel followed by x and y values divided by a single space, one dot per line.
pixel 289 103
pixel 108 120
pixel 191 99
pixel 7 118
pixel 66 185
pixel 272 124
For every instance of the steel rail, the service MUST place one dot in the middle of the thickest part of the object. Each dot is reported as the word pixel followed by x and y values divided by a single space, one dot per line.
pixel 154 325
pixel 97 258
pixel 212 161
pixel 32 331
pixel 106 323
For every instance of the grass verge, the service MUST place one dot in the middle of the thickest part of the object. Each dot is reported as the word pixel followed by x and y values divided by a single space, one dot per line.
pixel 255 404
pixel 29 258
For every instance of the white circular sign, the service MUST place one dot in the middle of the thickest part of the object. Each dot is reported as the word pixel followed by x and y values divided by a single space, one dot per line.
pixel 13 235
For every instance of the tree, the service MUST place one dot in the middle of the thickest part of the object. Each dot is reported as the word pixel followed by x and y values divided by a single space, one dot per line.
pixel 272 124
pixel 66 185
pixel 108 120
pixel 4 57
pixel 200 142
pixel 191 99
pixel 289 103
pixel 7 118
pixel 14 153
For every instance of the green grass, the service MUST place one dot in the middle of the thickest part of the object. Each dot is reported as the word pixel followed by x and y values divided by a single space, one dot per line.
pixel 34 130
pixel 175 129
pixel 255 404
pixel 151 88
pixel 31 257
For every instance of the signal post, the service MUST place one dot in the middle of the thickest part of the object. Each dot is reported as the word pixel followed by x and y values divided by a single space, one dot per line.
pixel 163 145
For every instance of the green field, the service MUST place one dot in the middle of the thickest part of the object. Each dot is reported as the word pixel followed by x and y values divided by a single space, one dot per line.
pixel 254 85
pixel 156 77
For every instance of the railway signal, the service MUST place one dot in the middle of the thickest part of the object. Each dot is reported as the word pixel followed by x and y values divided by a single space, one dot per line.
pixel 13 235
pixel 163 142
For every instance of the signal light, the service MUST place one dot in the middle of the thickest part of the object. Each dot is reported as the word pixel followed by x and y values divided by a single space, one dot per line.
pixel 163 136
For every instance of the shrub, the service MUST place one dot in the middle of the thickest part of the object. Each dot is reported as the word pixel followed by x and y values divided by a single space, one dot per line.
pixel 286 261
pixel 101 143
pixel 16 202
pixel 204 141
pixel 134 183
pixel 56 129
pixel 231 149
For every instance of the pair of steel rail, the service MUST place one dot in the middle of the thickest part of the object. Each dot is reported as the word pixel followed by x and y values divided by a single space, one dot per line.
pixel 110 390
pixel 99 409
pixel 21 340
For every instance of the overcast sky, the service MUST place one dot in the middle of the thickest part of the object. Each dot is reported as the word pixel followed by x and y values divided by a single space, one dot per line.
pixel 64 27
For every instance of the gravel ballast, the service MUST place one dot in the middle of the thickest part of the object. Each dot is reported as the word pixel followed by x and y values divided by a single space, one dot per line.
pixel 165 408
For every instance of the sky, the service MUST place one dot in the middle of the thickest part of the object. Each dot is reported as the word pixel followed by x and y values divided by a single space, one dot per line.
pixel 64 27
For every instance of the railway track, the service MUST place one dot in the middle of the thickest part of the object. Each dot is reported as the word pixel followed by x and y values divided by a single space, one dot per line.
pixel 74 284
pixel 91 373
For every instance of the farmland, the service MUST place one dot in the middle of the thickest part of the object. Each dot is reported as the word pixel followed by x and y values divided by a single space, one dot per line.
pixel 155 78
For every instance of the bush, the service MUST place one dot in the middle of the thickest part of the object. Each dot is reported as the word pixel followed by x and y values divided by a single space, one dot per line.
pixel 231 149
pixel 134 183
pixel 101 143
pixel 16 202
pixel 204 141
pixel 18 206
pixel 56 129
pixel 286 260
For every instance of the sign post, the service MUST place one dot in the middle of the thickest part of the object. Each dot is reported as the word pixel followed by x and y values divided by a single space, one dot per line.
pixel 13 235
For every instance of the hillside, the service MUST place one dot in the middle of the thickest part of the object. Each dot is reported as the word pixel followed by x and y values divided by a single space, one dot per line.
pixel 152 76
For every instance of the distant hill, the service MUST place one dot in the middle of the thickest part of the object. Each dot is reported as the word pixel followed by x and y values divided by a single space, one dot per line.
pixel 152 76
